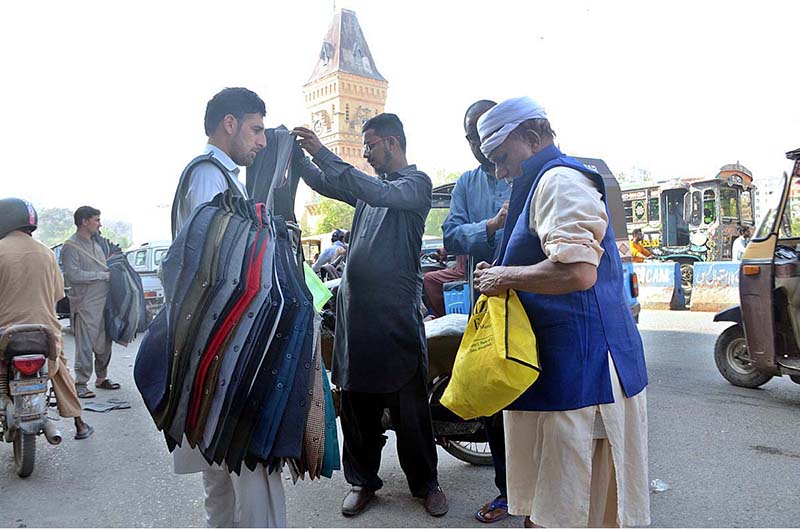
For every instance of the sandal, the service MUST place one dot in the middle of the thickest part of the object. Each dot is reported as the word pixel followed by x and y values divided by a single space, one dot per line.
pixel 84 434
pixel 84 392
pixel 107 384
pixel 499 505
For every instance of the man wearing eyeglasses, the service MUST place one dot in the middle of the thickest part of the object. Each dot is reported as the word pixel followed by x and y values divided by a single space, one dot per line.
pixel 380 354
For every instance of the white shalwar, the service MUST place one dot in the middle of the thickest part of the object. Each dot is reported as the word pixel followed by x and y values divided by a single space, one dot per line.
pixel 584 467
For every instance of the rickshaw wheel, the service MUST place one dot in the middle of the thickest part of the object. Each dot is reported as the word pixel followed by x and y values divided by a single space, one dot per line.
pixel 733 360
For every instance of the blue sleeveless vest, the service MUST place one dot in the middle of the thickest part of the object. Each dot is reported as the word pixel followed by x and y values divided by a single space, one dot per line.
pixel 575 331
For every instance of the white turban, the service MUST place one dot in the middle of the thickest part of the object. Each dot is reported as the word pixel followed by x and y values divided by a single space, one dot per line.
pixel 498 122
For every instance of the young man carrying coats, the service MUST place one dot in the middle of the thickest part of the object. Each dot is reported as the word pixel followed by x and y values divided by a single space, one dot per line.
pixel 235 127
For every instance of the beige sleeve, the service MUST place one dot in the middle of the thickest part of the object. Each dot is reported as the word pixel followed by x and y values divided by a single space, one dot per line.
pixel 569 216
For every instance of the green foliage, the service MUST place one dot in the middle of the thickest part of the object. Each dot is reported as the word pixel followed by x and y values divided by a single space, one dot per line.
pixel 333 214
pixel 55 225
pixel 433 224
pixel 441 177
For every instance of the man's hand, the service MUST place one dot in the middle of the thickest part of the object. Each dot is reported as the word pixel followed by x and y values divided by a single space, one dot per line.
pixel 441 255
pixel 489 279
pixel 498 221
pixel 307 140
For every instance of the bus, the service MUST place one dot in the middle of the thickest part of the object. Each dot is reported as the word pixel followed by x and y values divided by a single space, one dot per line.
pixel 690 220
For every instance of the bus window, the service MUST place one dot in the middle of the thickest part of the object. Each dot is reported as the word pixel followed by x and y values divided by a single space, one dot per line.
pixel 747 206
pixel 639 211
pixel 654 213
pixel 694 217
pixel 728 203
pixel 709 206
pixel 628 206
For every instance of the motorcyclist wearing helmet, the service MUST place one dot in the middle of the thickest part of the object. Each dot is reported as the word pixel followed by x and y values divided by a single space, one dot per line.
pixel 339 239
pixel 30 286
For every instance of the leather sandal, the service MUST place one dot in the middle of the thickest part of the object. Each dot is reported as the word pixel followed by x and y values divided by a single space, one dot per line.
pixel 107 384
pixel 493 511
pixel 84 392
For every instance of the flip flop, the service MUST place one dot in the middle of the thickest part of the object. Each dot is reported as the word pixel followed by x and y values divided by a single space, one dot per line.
pixel 497 504
pixel 107 384
pixel 86 433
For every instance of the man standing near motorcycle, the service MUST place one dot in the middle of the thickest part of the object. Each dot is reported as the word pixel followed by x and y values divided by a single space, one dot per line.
pixel 380 352
pixel 30 286
pixel 89 279
pixel 474 227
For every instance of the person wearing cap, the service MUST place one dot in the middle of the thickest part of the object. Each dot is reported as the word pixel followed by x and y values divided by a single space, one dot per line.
pixel 30 286
pixel 576 440
pixel 331 252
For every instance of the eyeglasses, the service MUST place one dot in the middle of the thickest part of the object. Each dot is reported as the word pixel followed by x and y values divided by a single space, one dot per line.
pixel 368 146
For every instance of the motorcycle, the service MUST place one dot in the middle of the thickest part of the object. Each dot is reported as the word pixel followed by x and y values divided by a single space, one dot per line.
pixel 465 440
pixel 24 396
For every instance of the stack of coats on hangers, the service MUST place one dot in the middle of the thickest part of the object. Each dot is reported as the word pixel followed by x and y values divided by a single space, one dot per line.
pixel 233 363
pixel 124 313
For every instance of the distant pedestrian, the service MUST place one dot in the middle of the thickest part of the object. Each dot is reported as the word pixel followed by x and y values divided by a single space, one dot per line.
pixel 84 259
pixel 740 243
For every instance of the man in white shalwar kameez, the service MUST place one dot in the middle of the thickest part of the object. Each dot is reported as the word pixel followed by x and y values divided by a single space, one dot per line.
pixel 576 441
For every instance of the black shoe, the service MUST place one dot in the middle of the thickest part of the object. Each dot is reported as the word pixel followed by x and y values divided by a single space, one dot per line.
pixel 436 502
pixel 356 500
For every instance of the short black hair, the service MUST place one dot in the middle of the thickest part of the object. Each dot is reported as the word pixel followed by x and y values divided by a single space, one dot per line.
pixel 637 230
pixel 386 125
pixel 478 106
pixel 234 101
pixel 742 228
pixel 84 213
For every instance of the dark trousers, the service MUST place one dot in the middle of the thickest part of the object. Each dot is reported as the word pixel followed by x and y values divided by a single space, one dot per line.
pixel 497 443
pixel 364 437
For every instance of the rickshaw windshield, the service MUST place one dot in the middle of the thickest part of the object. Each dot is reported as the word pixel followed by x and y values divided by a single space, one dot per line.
pixel 767 225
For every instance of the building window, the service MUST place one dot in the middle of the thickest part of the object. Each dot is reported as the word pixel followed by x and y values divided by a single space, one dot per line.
pixel 347 112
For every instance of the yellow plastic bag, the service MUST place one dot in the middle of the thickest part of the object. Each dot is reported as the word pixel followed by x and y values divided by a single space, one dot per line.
pixel 497 360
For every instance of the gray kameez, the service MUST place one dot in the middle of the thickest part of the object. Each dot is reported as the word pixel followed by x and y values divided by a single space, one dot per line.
pixel 85 274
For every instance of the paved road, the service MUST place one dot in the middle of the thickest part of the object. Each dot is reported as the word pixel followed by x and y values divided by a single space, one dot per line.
pixel 730 455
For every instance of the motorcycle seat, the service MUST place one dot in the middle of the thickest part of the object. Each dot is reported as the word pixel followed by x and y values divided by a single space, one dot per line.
pixel 19 340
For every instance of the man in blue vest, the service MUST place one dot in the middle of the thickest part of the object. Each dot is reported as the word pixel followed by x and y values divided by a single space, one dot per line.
pixel 576 448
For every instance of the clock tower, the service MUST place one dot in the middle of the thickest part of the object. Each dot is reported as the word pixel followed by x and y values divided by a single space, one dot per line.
pixel 344 90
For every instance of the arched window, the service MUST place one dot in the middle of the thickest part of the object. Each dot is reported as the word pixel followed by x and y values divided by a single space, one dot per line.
pixel 347 112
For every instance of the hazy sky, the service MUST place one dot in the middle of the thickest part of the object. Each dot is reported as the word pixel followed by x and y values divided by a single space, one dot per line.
pixel 102 102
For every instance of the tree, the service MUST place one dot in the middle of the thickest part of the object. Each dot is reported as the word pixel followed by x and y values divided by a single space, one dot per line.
pixel 333 214
pixel 55 225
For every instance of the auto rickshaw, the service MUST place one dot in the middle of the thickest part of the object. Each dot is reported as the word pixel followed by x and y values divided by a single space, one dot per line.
pixel 765 340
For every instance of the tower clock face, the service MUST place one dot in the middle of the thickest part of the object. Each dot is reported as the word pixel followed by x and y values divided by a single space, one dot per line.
pixel 318 126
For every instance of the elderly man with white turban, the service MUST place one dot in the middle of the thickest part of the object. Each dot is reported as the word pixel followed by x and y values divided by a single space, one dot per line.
pixel 576 440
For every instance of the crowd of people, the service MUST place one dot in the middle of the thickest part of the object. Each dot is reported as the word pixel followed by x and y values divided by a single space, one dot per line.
pixel 571 451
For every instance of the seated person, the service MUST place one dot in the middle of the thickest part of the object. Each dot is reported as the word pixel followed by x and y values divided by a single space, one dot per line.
pixel 31 285
pixel 339 240
pixel 638 251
